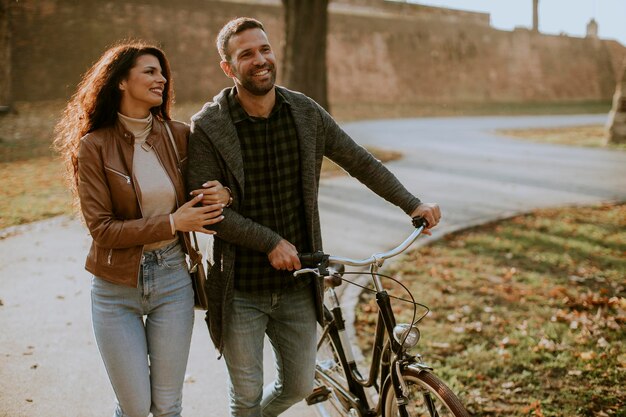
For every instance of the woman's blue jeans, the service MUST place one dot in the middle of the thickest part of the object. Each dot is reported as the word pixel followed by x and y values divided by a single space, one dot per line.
pixel 144 334
pixel 288 319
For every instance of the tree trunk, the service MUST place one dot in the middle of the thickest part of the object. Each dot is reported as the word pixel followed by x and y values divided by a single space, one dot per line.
pixel 5 56
pixel 304 67
pixel 617 117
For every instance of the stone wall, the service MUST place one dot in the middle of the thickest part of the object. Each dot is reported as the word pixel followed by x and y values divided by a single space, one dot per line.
pixel 55 41
pixel 393 53
pixel 426 60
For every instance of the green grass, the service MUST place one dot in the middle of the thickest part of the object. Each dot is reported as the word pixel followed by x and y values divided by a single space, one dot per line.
pixel 528 314
pixel 32 190
pixel 27 131
pixel 593 136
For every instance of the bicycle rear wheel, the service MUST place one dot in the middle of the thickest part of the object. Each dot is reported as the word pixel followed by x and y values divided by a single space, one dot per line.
pixel 329 364
pixel 428 397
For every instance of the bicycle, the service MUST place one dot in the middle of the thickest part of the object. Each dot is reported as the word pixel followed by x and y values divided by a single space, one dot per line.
pixel 404 385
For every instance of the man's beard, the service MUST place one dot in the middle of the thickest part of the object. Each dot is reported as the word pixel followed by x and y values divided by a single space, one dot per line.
pixel 259 88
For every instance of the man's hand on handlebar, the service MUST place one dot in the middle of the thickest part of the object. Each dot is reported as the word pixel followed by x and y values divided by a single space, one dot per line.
pixel 430 212
pixel 325 265
pixel 284 256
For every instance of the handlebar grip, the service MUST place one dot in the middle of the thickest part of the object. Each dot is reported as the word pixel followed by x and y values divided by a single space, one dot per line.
pixel 419 221
pixel 310 260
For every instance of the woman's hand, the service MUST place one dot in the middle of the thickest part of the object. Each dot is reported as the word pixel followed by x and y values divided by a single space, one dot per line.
pixel 214 193
pixel 193 219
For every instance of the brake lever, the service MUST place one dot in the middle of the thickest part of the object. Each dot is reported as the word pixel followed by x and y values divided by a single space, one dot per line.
pixel 315 271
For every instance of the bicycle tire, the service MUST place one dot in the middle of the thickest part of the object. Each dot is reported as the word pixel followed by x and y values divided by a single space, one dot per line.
pixel 423 385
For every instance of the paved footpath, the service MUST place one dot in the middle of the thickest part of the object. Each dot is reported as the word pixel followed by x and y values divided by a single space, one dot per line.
pixel 50 366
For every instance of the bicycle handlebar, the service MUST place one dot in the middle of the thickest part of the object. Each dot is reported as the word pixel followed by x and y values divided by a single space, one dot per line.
pixel 312 262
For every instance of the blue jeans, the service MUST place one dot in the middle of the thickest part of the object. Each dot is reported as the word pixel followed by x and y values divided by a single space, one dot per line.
pixel 288 319
pixel 146 359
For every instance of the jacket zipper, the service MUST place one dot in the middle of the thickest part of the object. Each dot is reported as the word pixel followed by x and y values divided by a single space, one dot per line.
pixel 126 177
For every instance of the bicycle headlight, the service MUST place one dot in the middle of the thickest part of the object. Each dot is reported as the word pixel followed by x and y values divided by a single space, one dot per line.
pixel 406 334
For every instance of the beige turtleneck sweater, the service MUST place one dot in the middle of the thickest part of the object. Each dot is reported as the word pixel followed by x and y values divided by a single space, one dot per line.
pixel 157 194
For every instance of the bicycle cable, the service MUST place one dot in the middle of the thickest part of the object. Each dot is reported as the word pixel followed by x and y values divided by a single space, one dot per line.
pixel 373 291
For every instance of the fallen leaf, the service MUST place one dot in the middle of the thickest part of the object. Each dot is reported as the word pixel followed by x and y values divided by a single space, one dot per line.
pixel 545 344
pixel 452 317
pixel 587 356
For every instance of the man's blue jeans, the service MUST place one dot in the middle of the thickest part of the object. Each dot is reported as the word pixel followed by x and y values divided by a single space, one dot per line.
pixel 288 319
pixel 146 362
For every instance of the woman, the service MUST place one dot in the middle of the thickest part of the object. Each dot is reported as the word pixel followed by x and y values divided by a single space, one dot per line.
pixel 127 173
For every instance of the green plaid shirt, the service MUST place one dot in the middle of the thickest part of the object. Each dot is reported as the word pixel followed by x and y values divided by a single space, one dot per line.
pixel 272 192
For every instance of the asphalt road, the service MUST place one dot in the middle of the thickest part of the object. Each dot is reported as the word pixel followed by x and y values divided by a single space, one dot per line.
pixel 50 366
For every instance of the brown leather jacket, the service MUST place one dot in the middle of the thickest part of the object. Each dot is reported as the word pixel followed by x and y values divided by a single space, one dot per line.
pixel 109 198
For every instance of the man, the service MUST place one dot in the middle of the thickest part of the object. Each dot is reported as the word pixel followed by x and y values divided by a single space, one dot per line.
pixel 266 144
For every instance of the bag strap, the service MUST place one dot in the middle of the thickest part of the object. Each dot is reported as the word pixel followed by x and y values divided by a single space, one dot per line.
pixel 195 244
pixel 169 134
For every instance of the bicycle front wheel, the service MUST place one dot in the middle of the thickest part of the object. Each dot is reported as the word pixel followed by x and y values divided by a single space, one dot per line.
pixel 428 397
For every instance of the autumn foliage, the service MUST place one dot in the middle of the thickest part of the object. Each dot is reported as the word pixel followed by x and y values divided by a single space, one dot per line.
pixel 528 314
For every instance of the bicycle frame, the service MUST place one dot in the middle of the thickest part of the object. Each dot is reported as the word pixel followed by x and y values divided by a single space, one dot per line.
pixel 388 357
pixel 384 362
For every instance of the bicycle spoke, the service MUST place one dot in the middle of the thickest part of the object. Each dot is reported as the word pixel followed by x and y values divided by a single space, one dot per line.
pixel 328 363
pixel 430 404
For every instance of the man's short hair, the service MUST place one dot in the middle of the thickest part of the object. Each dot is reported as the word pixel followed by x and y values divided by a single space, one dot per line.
pixel 232 28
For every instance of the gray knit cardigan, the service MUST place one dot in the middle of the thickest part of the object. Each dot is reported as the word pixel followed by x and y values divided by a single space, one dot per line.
pixel 214 153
